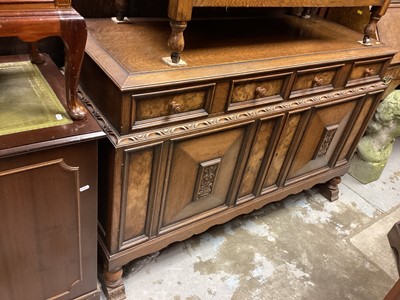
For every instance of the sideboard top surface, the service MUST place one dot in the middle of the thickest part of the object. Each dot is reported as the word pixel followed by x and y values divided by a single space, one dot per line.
pixel 131 53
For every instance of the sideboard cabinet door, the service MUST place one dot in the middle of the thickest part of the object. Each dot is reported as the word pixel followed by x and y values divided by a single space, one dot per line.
pixel 331 129
pixel 48 222
pixel 203 174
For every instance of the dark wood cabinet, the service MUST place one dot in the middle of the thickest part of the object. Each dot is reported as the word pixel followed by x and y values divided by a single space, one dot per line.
pixel 48 208
pixel 252 119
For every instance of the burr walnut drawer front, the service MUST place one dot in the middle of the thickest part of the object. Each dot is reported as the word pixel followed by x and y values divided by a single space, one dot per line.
pixel 161 107
pixel 368 70
pixel 258 90
pixel 315 80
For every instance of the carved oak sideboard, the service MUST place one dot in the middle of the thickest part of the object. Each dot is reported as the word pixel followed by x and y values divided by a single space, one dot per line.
pixel 258 115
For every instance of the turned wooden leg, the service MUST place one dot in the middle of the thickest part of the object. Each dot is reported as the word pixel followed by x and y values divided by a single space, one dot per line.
pixel 122 7
pixel 394 241
pixel 306 13
pixel 73 34
pixel 113 285
pixel 176 40
pixel 35 56
pixel 330 190
pixel 376 13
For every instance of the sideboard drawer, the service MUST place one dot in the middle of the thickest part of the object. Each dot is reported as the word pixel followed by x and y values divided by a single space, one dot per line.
pixel 258 90
pixel 161 107
pixel 315 80
pixel 369 70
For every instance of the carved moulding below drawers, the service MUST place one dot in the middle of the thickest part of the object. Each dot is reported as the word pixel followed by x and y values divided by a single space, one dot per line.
pixel 166 132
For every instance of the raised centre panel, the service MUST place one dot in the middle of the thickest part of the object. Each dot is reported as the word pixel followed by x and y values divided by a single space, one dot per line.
pixel 325 135
pixel 202 172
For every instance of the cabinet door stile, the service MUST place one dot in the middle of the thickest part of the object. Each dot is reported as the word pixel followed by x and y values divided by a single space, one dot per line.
pixel 170 146
pixel 111 195
pixel 278 155
pixel 272 134
pixel 158 183
pixel 242 161
pixel 294 145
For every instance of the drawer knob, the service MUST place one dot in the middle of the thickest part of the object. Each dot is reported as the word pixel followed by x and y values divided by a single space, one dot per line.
pixel 261 92
pixel 317 81
pixel 368 72
pixel 387 79
pixel 175 107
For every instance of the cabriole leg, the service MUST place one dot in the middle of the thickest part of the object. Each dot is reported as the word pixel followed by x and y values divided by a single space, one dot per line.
pixel 73 34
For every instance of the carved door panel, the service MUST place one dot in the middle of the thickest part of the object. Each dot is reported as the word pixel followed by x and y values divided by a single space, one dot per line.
pixel 327 130
pixel 203 172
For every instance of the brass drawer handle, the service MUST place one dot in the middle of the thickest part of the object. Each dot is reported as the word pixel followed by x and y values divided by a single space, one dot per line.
pixel 261 92
pixel 317 81
pixel 368 72
pixel 387 79
pixel 175 107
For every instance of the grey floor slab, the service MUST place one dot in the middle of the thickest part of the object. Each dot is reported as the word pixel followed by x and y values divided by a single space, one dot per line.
pixel 373 243
pixel 385 192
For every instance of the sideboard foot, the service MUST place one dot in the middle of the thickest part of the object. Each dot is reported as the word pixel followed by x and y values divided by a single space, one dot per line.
pixel 330 190
pixel 113 286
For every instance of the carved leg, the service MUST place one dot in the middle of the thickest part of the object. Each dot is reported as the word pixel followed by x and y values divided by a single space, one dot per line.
pixel 35 56
pixel 176 40
pixel 73 34
pixel 113 285
pixel 330 190
pixel 122 7
pixel 394 241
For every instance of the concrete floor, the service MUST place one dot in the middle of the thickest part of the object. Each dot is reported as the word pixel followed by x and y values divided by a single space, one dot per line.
pixel 303 247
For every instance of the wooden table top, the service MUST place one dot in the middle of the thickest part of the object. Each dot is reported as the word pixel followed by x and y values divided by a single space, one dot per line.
pixel 132 52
